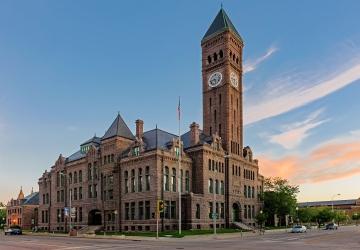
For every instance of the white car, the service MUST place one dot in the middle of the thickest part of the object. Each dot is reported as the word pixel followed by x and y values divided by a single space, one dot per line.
pixel 298 229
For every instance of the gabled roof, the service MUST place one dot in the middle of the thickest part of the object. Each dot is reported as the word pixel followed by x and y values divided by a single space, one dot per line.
pixel 75 156
pixel 118 128
pixel 32 199
pixel 203 139
pixel 221 23
pixel 94 140
pixel 157 138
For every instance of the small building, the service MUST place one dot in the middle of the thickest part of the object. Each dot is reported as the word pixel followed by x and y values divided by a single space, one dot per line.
pixel 23 211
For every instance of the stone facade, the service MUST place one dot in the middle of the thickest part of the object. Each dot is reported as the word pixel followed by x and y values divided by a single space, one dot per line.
pixel 23 211
pixel 115 181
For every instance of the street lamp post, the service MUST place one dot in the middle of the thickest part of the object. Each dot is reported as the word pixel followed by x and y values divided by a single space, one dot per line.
pixel 224 186
pixel 332 201
pixel 261 224
pixel 297 215
pixel 214 207
pixel 70 197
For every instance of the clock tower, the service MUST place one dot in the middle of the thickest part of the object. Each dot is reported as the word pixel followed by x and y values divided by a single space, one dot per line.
pixel 222 83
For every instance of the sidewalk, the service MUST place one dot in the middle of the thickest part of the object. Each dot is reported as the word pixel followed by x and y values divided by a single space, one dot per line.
pixel 146 238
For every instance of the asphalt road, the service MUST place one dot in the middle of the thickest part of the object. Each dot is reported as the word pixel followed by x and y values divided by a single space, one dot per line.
pixel 344 238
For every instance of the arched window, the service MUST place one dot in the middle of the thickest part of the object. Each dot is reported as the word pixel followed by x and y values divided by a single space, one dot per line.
pixel 89 172
pixel 209 164
pixel 216 166
pixel 197 214
pixel 75 177
pixel 173 180
pixel 140 180
pixel 211 186
pixel 112 158
pixel 70 178
pixel 126 181
pixel 222 187
pixel 181 180
pixel 209 59
pixel 215 56
pixel 213 165
pixel 252 192
pixel 166 179
pixel 187 181
pixel 221 54
pixel 217 187
pixel 233 57
pixel 80 176
pixel 133 180
pixel 237 60
pixel 245 191
pixel 230 54
pixel 147 178
pixel 215 115
pixel 249 192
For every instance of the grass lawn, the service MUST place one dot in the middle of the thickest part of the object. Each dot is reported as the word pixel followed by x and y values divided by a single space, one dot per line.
pixel 174 233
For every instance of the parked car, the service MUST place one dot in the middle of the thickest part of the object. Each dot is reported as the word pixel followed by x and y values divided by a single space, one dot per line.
pixel 331 226
pixel 13 230
pixel 298 229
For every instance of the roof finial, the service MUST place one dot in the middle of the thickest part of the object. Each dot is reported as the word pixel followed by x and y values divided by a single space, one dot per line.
pixel 221 5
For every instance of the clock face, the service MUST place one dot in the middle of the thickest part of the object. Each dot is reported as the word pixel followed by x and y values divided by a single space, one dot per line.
pixel 215 79
pixel 234 80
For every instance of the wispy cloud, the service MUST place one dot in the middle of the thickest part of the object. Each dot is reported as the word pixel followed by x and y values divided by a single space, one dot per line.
pixel 252 64
pixel 295 90
pixel 335 159
pixel 293 134
pixel 72 128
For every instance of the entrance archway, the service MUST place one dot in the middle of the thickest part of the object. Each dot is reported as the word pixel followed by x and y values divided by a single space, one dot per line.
pixel 94 217
pixel 236 212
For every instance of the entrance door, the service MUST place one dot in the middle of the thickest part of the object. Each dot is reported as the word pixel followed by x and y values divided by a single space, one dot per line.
pixel 236 212
pixel 95 217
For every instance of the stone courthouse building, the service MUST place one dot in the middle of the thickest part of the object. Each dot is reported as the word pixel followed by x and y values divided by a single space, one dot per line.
pixel 114 181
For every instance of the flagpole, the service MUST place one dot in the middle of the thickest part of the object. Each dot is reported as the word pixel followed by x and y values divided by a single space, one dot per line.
pixel 179 161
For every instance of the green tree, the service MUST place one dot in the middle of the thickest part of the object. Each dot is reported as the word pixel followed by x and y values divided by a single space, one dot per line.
pixel 325 215
pixel 2 218
pixel 307 215
pixel 340 216
pixel 355 217
pixel 260 219
pixel 279 198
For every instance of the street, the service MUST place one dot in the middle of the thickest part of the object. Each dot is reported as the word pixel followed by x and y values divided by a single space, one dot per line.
pixel 344 238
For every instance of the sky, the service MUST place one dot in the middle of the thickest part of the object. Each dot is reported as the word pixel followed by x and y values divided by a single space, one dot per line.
pixel 68 67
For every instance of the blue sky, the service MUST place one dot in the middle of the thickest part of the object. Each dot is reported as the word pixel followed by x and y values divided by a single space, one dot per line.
pixel 68 67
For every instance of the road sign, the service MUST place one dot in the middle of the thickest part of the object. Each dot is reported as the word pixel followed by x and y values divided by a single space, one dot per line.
pixel 73 212
pixel 161 206
pixel 66 211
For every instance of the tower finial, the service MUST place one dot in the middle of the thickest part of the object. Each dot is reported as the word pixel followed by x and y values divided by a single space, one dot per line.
pixel 221 5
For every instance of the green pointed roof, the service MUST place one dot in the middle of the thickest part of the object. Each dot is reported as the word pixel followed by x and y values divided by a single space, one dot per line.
pixel 220 24
pixel 118 128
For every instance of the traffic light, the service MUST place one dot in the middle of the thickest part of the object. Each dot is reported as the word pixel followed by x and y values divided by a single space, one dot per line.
pixel 160 206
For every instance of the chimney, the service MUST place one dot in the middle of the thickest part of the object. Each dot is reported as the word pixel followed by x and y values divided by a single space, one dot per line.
pixel 194 134
pixel 139 128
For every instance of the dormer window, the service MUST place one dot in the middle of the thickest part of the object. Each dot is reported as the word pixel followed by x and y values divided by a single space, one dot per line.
pixel 177 151
pixel 84 149
pixel 136 151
